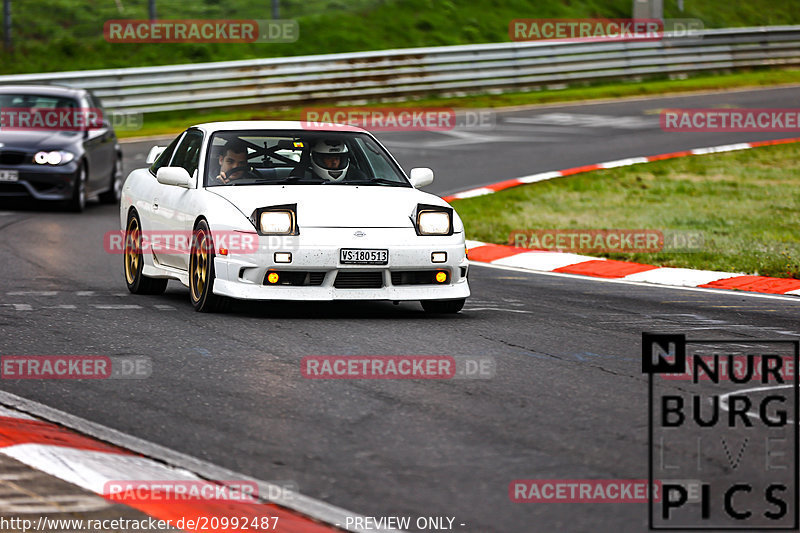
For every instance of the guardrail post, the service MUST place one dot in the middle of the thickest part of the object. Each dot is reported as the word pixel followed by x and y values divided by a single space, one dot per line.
pixel 7 25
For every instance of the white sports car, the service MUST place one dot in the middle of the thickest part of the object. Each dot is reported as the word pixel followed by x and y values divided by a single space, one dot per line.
pixel 281 211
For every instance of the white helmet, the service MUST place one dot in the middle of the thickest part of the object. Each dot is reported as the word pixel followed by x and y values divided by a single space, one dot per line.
pixel 325 165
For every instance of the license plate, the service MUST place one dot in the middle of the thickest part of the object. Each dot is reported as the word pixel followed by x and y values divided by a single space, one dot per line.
pixel 350 256
pixel 9 175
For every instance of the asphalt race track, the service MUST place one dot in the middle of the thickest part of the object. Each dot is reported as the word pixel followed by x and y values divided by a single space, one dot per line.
pixel 568 398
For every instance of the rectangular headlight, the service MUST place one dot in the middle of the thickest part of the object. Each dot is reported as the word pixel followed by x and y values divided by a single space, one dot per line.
pixel 277 222
pixel 433 222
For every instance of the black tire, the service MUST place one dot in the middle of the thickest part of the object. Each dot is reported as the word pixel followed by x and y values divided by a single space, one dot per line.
pixel 202 274
pixel 112 195
pixel 77 203
pixel 133 261
pixel 443 306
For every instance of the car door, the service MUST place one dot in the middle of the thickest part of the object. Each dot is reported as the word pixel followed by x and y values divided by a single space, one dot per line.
pixel 171 207
pixel 100 145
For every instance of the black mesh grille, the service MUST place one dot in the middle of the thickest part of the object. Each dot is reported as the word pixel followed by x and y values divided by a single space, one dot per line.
pixel 296 278
pixel 11 157
pixel 372 279
pixel 415 277
pixel 13 189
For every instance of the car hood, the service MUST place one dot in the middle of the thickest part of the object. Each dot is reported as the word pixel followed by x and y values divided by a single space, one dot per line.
pixel 334 205
pixel 27 140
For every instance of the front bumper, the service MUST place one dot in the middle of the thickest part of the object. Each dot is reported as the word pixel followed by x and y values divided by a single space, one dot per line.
pixel 243 276
pixel 40 182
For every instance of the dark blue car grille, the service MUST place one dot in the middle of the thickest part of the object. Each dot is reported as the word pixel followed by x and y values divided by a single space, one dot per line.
pixel 11 157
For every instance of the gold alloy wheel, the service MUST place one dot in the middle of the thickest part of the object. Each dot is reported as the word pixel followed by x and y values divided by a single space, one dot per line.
pixel 133 246
pixel 200 264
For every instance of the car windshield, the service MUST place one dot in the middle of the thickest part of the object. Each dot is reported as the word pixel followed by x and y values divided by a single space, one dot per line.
pixel 36 101
pixel 299 157
pixel 39 111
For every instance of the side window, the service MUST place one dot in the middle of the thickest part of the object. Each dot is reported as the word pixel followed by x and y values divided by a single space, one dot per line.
pixel 381 167
pixel 95 103
pixel 165 156
pixel 187 155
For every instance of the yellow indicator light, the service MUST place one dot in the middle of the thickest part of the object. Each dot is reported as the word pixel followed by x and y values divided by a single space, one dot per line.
pixel 441 277
pixel 273 277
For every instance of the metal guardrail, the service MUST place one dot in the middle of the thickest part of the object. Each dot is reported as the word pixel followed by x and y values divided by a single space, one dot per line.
pixel 449 70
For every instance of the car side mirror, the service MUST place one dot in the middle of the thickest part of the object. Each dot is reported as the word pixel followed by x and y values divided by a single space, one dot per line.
pixel 421 176
pixel 174 176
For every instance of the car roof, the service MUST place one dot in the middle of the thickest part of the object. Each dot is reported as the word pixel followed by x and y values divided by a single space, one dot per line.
pixel 43 89
pixel 277 125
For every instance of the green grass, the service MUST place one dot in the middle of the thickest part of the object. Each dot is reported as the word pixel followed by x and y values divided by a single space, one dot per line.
pixel 174 122
pixel 745 203
pixel 56 35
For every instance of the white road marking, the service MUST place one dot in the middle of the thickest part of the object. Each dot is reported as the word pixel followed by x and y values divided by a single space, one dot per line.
pixel 723 399
pixel 177 462
pixel 474 192
pixel 538 128
pixel 62 306
pixel 84 293
pixel 685 277
pixel 10 413
pixel 541 176
pixel 116 306
pixel 588 121
pixel 623 162
pixel 33 293
pixel 52 503
pixel 723 148
pixel 497 309
pixel 542 260
pixel 165 307
pixel 20 307
pixel 462 138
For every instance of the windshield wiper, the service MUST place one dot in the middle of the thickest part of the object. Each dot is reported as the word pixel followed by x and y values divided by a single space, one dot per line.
pixel 265 181
pixel 378 181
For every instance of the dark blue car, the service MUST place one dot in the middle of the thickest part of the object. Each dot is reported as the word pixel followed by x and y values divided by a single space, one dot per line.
pixel 57 145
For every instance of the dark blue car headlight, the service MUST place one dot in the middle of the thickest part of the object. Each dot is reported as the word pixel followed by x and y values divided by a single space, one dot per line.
pixel 53 158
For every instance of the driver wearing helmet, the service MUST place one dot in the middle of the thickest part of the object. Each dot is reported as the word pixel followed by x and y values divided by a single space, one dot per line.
pixel 330 160
pixel 232 156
